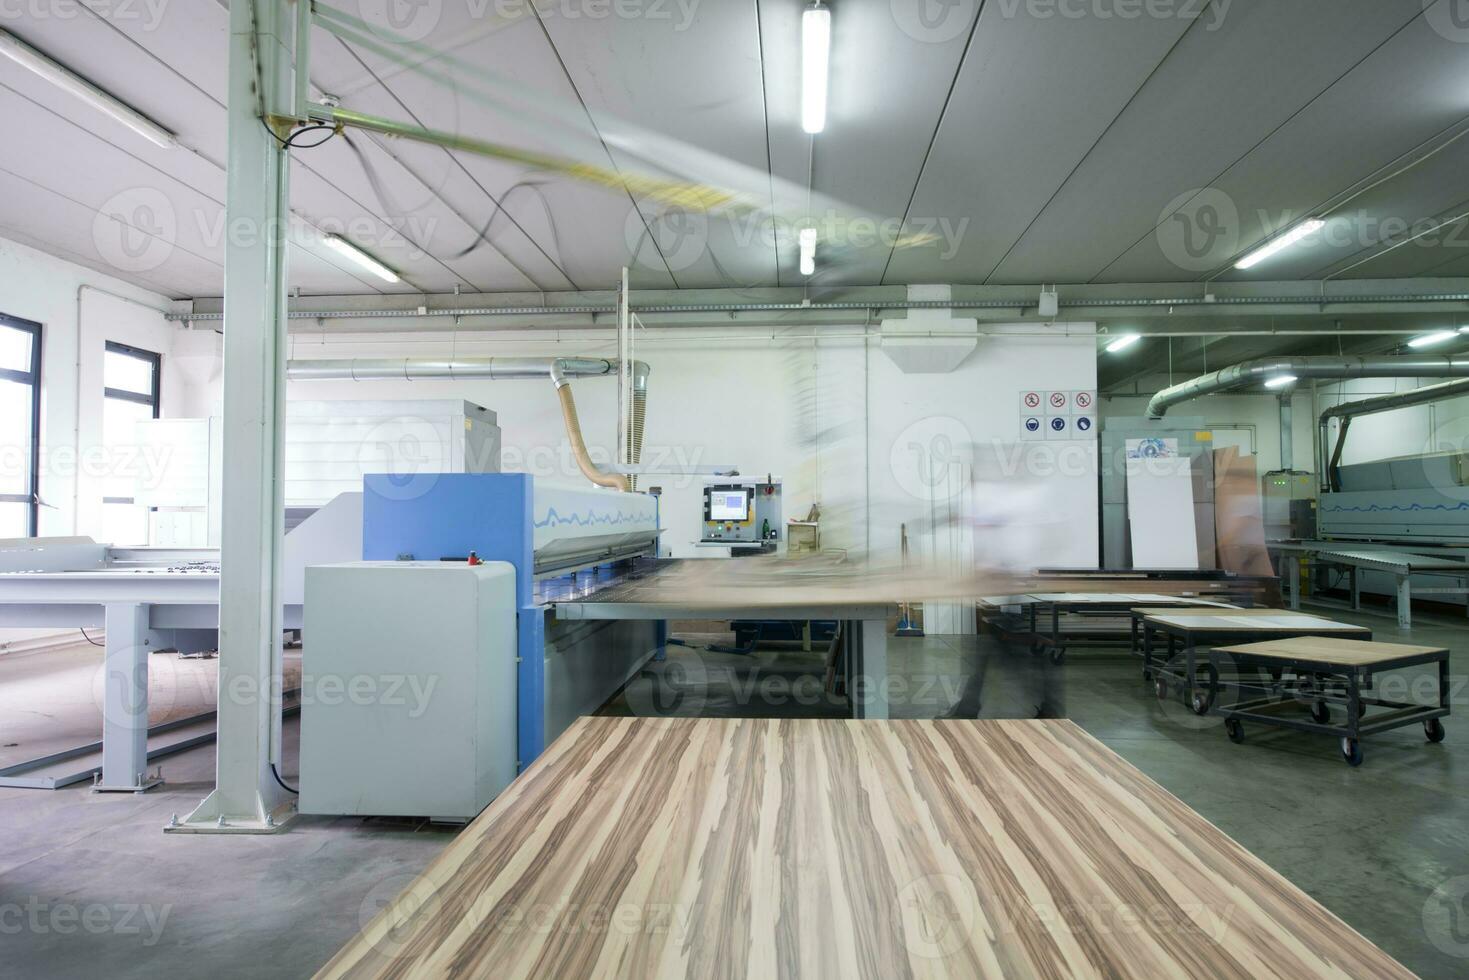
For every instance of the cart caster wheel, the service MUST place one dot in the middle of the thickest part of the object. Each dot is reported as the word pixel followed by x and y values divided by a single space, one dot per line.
pixel 1351 751
pixel 1201 702
pixel 1234 730
pixel 1320 713
pixel 1058 655
pixel 1160 688
pixel 1433 728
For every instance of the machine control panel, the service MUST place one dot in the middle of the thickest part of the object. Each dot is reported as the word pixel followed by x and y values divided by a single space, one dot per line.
pixel 742 513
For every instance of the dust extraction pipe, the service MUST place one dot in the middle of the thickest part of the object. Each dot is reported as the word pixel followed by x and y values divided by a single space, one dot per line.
pixel 1347 411
pixel 559 370
pixel 1258 371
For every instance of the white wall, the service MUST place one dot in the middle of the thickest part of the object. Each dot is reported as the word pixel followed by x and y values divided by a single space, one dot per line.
pixel 79 311
pixel 1255 418
pixel 835 419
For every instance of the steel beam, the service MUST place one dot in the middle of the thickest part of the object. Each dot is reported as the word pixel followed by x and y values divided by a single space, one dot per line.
pixel 246 797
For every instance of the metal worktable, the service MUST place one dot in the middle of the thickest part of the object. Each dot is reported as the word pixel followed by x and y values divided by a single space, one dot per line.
pixel 1317 672
pixel 1187 634
pixel 679 588
pixel 146 599
pixel 1401 565
pixel 1054 621
pixel 133 605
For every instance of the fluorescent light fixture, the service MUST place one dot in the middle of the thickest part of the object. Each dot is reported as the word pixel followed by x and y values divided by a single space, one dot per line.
pixel 340 245
pixel 1429 339
pixel 807 240
pixel 1464 330
pixel 1281 380
pixel 1280 244
pixel 1122 343
pixel 815 60
pixel 69 81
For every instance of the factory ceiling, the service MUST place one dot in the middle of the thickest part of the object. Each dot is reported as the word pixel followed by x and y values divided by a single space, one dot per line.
pixel 1035 142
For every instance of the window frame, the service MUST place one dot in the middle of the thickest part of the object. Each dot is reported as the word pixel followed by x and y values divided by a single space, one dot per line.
pixel 153 399
pixel 32 499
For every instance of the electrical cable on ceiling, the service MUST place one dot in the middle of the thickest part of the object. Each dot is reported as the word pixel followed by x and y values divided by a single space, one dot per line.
pixel 290 141
pixel 89 639
pixel 483 236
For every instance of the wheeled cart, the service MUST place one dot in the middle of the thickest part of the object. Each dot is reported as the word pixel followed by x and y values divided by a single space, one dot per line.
pixel 1189 635
pixel 1317 672
pixel 1051 623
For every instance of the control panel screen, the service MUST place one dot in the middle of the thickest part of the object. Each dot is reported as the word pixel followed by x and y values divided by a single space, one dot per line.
pixel 728 505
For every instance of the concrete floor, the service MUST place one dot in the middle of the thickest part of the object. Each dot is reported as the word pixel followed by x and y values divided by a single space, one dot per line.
pixel 88 880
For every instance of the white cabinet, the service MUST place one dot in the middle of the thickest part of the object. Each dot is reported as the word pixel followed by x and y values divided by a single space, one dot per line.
pixel 408 688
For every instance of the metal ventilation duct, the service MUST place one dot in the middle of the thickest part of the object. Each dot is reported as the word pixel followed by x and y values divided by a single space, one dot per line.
pixel 1258 371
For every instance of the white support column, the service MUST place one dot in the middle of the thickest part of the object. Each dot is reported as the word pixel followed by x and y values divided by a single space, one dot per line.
pixel 874 668
pixel 125 701
pixel 246 797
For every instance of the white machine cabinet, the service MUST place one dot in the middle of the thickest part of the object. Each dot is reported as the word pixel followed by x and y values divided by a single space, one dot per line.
pixel 408 688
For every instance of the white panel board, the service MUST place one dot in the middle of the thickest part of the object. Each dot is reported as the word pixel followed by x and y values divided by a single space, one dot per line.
pixel 1160 508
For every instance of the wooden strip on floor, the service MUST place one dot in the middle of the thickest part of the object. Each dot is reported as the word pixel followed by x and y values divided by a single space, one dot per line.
pixel 708 847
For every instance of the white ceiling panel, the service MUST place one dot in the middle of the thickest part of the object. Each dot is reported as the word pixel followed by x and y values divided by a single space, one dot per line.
pixel 1036 146
pixel 1033 98
pixel 462 187
pixel 33 213
pixel 891 75
pixel 578 233
pixel 1408 92
pixel 711 120
pixel 1219 93
pixel 1385 214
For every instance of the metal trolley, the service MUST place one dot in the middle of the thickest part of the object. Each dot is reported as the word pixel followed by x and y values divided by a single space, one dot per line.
pixel 1190 635
pixel 1319 672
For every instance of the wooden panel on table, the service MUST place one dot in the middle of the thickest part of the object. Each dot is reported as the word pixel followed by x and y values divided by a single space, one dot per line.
pixel 644 847
pixel 1326 650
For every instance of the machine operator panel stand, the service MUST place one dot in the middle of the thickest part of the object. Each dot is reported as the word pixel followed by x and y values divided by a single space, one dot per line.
pixel 743 515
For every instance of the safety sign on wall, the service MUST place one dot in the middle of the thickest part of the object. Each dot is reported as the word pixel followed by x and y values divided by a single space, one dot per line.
pixel 1048 414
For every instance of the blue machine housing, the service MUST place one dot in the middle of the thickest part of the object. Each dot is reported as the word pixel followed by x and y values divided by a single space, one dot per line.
pixel 492 515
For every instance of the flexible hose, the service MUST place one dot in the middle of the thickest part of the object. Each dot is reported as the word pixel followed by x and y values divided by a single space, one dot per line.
pixel 579 445
pixel 635 449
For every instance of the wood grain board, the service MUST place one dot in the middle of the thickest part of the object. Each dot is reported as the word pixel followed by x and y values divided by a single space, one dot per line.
pixel 706 847
pixel 1245 620
pixel 1326 650
pixel 1187 611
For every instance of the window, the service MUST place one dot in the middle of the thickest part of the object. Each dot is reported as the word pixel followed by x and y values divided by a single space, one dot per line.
pixel 20 426
pixel 130 383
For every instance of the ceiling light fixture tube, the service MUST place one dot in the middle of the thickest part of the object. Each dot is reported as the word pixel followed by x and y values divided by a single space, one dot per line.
pixel 1281 380
pixel 808 251
pixel 69 81
pixel 1429 339
pixel 1122 343
pixel 815 61
pixel 1280 244
pixel 343 247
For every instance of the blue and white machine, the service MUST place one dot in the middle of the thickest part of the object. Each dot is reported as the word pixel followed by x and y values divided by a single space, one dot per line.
pixel 546 533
